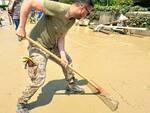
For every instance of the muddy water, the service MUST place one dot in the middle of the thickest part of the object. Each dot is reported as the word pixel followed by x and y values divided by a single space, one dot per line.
pixel 119 63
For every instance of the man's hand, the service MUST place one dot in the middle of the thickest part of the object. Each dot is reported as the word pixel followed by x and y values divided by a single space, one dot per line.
pixel 64 61
pixel 21 33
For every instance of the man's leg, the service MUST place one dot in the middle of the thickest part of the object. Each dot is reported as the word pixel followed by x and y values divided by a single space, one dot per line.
pixel 37 76
pixel 16 21
pixel 72 86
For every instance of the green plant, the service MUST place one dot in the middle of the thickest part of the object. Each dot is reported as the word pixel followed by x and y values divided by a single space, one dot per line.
pixel 94 15
pixel 124 2
pixel 106 8
pixel 114 9
pixel 139 21
pixel 3 6
pixel 138 8
pixel 66 1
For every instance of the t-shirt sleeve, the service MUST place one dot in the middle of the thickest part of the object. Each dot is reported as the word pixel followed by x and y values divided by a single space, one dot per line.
pixel 52 8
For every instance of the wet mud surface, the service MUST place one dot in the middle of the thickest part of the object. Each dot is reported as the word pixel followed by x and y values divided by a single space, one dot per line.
pixel 118 63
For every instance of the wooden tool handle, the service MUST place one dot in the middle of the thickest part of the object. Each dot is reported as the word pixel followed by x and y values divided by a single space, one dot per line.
pixel 112 104
pixel 59 60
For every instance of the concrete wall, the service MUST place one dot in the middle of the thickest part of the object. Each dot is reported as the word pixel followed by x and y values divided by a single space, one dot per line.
pixel 131 14
pixel 144 14
pixel 106 17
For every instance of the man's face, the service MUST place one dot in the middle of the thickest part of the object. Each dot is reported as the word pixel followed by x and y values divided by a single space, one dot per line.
pixel 80 10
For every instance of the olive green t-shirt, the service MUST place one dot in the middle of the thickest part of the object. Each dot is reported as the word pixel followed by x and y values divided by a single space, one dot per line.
pixel 52 24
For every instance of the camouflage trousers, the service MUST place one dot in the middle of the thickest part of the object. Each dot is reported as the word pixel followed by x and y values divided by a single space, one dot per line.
pixel 37 73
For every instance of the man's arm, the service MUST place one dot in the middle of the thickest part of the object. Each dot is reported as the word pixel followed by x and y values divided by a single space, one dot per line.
pixel 61 47
pixel 26 7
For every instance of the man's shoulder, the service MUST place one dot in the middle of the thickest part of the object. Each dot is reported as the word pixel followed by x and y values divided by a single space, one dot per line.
pixel 55 9
pixel 55 4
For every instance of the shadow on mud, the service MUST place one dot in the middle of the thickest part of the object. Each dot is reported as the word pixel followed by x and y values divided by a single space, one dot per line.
pixel 50 89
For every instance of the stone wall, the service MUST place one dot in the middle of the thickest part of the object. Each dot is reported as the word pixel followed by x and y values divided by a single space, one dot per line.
pixel 106 17
pixel 144 14
pixel 139 32
pixel 131 14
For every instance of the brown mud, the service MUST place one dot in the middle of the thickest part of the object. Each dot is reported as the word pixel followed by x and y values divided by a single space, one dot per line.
pixel 118 63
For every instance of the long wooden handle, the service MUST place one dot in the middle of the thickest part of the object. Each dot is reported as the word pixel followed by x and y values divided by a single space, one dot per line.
pixel 112 104
pixel 59 60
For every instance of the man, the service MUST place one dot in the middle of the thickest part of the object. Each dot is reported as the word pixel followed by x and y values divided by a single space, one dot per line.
pixel 50 32
pixel 39 15
pixel 32 16
pixel 9 10
pixel 14 11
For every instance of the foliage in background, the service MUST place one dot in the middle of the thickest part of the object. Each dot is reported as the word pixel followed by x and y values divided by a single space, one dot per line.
pixel 121 6
pixel 94 15
pixel 113 2
pixel 105 2
pixel 116 6
pixel 3 7
pixel 106 8
pixel 115 9
pixel 139 21
pixel 138 8
pixel 124 2
pixel 66 1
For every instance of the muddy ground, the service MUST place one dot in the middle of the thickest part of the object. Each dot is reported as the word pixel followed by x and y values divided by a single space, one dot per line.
pixel 118 63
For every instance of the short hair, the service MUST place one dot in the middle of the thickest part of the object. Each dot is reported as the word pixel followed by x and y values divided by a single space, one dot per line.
pixel 89 2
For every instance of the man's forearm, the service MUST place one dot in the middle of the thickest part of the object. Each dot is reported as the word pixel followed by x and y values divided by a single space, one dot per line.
pixel 26 7
pixel 61 44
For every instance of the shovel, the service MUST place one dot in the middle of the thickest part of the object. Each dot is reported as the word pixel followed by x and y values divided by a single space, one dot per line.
pixel 101 93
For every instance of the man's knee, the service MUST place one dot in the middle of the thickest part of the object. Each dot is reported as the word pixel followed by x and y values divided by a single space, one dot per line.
pixel 38 82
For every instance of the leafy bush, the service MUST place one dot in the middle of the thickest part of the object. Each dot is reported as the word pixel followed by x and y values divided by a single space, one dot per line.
pixel 66 1
pixel 138 8
pixel 124 2
pixel 106 8
pixel 139 21
pixel 114 9
pixel 113 2
pixel 121 6
pixel 3 7
pixel 124 9
pixel 94 15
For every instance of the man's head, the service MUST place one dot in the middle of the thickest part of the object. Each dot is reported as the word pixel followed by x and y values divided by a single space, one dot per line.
pixel 80 8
